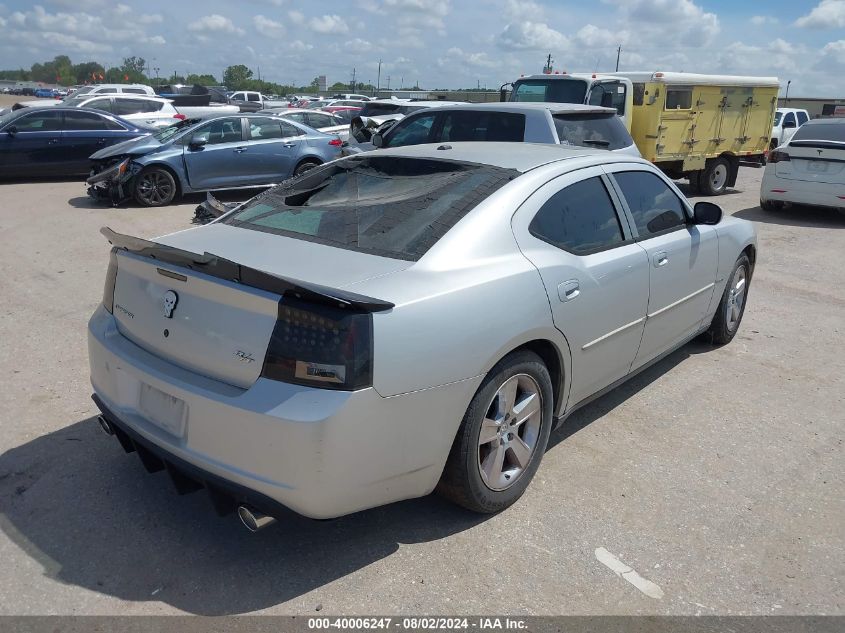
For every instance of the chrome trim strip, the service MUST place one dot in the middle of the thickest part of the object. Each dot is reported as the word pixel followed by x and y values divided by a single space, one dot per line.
pixel 616 331
pixel 680 301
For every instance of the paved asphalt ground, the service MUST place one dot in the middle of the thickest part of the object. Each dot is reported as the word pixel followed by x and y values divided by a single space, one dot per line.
pixel 717 474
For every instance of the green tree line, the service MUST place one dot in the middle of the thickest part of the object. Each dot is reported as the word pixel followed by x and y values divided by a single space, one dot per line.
pixel 61 70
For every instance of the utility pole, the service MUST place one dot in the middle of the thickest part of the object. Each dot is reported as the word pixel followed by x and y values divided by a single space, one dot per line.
pixel 618 53
pixel 388 83
pixel 378 78
pixel 352 85
pixel 548 67
pixel 786 98
pixel 259 73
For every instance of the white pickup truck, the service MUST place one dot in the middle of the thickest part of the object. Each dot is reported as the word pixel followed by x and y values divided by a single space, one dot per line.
pixel 787 121
pixel 251 101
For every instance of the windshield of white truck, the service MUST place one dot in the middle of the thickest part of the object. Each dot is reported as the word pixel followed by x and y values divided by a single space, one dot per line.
pixel 550 90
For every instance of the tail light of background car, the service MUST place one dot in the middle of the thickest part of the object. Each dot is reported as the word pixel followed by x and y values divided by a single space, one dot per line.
pixel 320 346
pixel 181 117
pixel 778 156
pixel 335 142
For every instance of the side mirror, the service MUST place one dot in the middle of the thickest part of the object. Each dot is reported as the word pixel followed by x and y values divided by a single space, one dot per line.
pixel 707 213
pixel 788 124
pixel 377 140
pixel 12 130
pixel 197 142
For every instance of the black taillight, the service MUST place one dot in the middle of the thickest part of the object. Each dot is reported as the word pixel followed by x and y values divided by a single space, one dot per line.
pixel 778 156
pixel 320 346
pixel 111 277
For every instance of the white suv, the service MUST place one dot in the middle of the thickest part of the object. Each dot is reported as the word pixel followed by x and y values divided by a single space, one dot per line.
pixel 140 109
pixel 90 91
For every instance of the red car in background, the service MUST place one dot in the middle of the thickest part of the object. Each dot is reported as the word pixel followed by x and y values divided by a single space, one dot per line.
pixel 344 113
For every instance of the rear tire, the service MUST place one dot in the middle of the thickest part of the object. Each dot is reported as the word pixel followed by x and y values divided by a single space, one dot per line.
pixel 306 165
pixel 770 205
pixel 502 437
pixel 731 308
pixel 155 187
pixel 694 185
pixel 713 179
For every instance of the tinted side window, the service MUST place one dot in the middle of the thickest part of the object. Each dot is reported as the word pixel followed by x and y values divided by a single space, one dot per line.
pixel 580 219
pixel 289 130
pixel 263 129
pixel 82 121
pixel 789 118
pixel 253 97
pixel 639 94
pixel 135 91
pixel 802 118
pixel 221 131
pixel 653 204
pixel 100 104
pixel 482 126
pixel 135 106
pixel 411 131
pixel 105 90
pixel 317 120
pixel 601 131
pixel 39 122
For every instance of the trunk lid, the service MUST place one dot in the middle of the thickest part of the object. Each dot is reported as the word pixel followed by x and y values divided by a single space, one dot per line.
pixel 203 321
pixel 814 161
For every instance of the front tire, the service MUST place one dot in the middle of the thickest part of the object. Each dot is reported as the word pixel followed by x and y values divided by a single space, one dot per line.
pixel 155 187
pixel 731 308
pixel 502 437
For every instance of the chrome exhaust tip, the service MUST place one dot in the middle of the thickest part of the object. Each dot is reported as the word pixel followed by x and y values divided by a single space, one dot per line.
pixel 104 424
pixel 254 520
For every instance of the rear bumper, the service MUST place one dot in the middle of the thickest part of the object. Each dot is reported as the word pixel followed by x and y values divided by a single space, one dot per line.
pixel 320 453
pixel 817 194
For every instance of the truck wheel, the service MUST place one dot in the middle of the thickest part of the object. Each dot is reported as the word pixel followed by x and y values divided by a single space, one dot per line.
pixel 694 185
pixel 714 178
pixel 770 205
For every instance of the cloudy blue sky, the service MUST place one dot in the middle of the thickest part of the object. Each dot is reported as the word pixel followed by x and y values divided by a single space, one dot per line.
pixel 439 43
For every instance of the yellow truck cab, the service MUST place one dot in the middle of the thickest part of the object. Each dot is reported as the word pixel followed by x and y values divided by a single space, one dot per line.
pixel 689 125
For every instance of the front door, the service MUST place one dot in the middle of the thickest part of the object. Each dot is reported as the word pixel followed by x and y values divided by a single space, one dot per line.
pixel 34 145
pixel 220 163
pixel 596 277
pixel 682 259
pixel 85 133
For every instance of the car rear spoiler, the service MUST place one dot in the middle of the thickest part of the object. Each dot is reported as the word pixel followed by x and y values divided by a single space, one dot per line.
pixel 222 268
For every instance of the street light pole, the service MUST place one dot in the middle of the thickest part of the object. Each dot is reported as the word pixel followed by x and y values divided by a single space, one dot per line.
pixel 786 98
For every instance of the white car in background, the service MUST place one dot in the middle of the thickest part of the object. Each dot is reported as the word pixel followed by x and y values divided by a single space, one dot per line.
pixel 320 121
pixel 89 91
pixel 140 109
pixel 809 169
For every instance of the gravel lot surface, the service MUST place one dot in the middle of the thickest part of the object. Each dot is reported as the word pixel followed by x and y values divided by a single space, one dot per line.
pixel 717 474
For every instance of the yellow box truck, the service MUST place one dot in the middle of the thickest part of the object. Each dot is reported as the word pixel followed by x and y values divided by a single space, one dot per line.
pixel 690 125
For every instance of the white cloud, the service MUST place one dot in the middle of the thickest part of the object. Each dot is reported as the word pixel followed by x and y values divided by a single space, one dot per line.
pixel 214 23
pixel 522 9
pixel 594 36
pixel 762 20
pixel 268 27
pixel 833 56
pixel 668 21
pixel 328 24
pixel 358 45
pixel 523 36
pixel 457 56
pixel 827 15
pixel 298 46
pixel 296 17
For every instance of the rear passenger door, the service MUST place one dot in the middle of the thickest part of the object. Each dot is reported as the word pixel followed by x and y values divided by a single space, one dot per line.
pixel 221 162
pixel 682 258
pixel 272 150
pixel 85 133
pixel 596 277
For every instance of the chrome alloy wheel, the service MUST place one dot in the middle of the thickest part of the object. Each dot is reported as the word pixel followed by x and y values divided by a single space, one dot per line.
pixel 155 188
pixel 509 432
pixel 718 177
pixel 736 298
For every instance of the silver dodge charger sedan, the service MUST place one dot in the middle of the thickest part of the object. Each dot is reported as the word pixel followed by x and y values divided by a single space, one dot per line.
pixel 404 320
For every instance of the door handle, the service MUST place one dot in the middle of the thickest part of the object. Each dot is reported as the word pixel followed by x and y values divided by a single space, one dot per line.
pixel 289 145
pixel 102 141
pixel 660 259
pixel 52 141
pixel 568 290
pixel 240 150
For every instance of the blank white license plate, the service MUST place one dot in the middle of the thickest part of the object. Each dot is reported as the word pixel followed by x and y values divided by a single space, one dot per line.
pixel 817 166
pixel 165 411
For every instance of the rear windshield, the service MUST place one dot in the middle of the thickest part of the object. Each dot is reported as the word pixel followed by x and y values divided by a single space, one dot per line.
pixel 821 132
pixel 599 131
pixel 379 109
pixel 552 90
pixel 389 206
